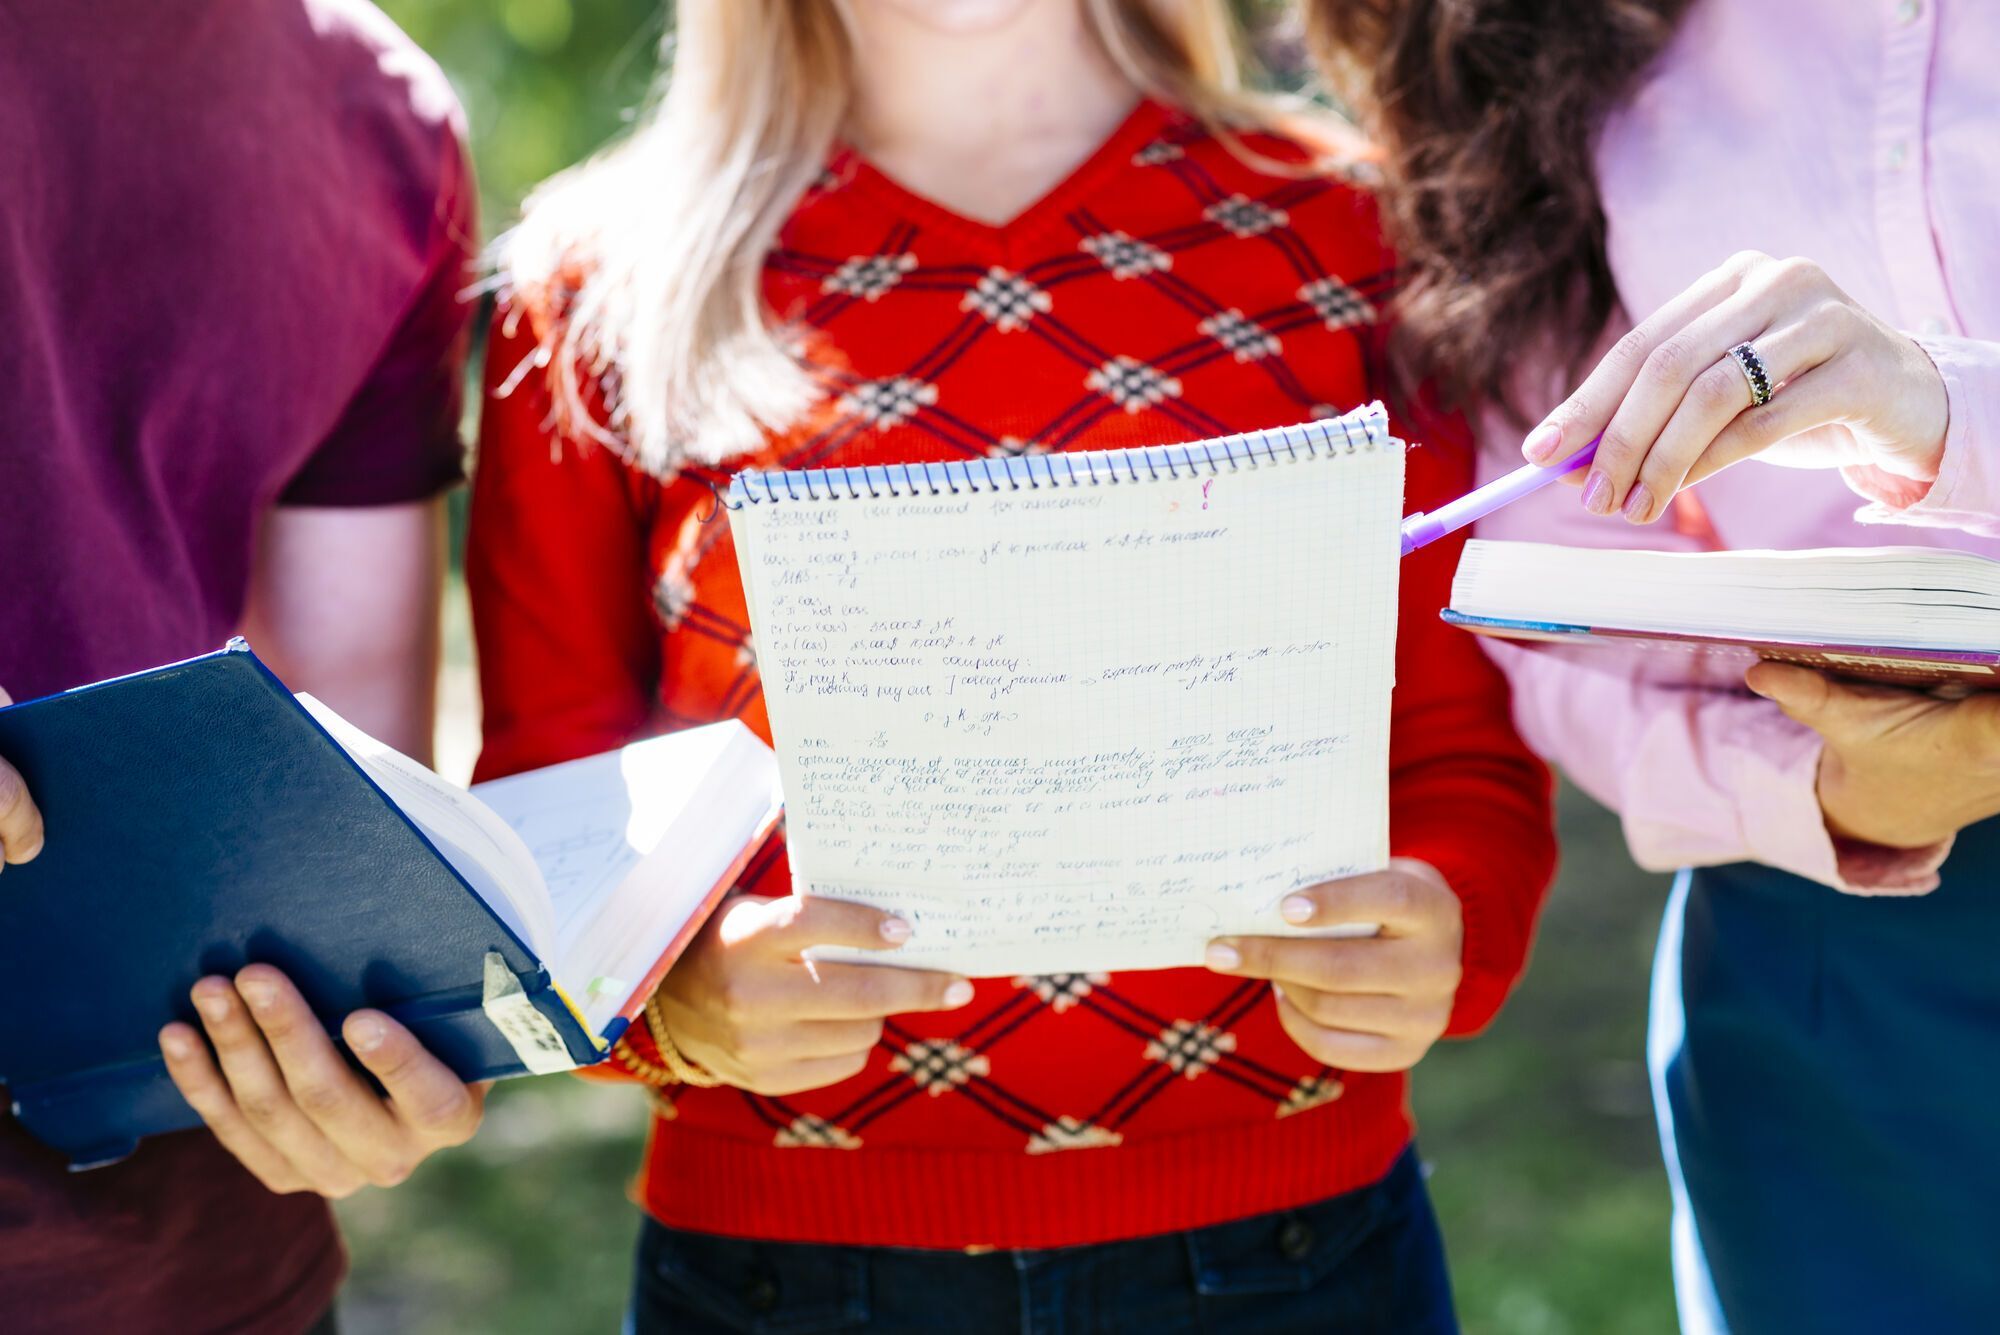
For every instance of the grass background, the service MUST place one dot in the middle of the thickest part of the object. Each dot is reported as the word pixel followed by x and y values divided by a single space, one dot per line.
pixel 1546 1177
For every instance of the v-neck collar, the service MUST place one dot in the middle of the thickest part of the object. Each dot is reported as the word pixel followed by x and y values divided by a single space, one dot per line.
pixel 1140 127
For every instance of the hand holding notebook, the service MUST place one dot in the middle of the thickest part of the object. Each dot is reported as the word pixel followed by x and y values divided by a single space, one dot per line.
pixel 1900 768
pixel 1362 1005
pixel 1054 712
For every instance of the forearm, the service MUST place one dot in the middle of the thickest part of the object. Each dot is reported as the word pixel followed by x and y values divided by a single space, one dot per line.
pixel 344 604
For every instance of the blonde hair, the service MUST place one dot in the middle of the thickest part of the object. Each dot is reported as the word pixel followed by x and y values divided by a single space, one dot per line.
pixel 650 256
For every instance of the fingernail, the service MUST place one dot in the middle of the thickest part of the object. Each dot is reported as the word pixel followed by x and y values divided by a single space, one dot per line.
pixel 365 1033
pixel 1597 493
pixel 258 993
pixel 1542 443
pixel 212 1005
pixel 957 994
pixel 1222 956
pixel 175 1044
pixel 1296 908
pixel 1638 503
pixel 895 930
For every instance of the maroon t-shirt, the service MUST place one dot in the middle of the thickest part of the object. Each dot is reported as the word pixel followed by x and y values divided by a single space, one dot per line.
pixel 232 246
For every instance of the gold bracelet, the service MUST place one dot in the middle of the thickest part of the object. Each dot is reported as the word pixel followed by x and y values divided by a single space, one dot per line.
pixel 676 1070
pixel 650 1073
pixel 683 1069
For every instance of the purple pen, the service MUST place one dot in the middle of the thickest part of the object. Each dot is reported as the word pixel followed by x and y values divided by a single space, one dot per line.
pixel 1422 528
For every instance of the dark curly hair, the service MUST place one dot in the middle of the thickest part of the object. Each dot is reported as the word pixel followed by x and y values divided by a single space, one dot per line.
pixel 1487 114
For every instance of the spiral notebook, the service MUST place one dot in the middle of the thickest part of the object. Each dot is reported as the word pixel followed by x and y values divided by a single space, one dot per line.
pixel 1082 712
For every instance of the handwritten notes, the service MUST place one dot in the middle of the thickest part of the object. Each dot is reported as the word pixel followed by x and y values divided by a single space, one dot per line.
pixel 1083 725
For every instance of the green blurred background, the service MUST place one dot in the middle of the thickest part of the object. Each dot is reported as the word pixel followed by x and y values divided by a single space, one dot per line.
pixel 1546 1169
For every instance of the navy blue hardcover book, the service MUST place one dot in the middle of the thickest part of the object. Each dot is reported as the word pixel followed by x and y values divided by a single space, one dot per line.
pixel 200 818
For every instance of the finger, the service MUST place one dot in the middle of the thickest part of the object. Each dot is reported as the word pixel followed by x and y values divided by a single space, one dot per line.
pixel 1718 397
pixel 1378 965
pixel 1342 1049
pixel 870 992
pixel 1368 1013
pixel 194 1074
pixel 1812 398
pixel 1802 693
pixel 1400 901
pixel 21 832
pixel 799 922
pixel 260 1093
pixel 320 1083
pixel 1674 368
pixel 425 1095
pixel 1832 708
pixel 1588 411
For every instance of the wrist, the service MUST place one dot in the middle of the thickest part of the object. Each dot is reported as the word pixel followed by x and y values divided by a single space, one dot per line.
pixel 666 1065
pixel 685 1070
pixel 1923 456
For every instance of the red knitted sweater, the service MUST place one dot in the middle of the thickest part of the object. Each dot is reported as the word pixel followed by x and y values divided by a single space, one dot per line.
pixel 1168 290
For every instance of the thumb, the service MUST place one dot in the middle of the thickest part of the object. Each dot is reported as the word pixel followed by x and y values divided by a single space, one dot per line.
pixel 5 699
pixel 1803 694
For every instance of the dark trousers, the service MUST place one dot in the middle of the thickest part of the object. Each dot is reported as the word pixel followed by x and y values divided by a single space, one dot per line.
pixel 1826 1069
pixel 1365 1262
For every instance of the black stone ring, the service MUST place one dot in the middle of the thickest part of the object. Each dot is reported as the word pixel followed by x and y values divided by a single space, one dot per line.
pixel 1753 371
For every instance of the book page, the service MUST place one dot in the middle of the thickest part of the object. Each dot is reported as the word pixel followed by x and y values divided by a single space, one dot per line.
pixel 477 844
pixel 1086 726
pixel 630 843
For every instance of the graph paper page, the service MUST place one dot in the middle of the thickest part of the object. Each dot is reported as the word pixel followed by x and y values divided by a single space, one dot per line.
pixel 1082 727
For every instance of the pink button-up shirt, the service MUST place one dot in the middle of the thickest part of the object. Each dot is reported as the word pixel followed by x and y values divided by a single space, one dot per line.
pixel 1864 135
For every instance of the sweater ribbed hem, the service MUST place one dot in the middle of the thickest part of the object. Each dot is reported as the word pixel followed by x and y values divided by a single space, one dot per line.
pixel 903 1196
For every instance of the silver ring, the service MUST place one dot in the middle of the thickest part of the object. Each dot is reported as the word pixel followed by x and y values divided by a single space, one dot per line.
pixel 1753 371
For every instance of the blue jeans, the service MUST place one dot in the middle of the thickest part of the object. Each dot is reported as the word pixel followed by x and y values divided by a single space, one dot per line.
pixel 1369 1261
pixel 1826 1070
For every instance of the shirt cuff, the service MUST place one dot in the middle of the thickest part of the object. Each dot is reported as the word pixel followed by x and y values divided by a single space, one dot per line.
pixel 1966 493
pixel 1784 827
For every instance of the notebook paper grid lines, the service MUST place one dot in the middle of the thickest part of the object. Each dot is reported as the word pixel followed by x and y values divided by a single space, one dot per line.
pixel 1364 429
pixel 1088 729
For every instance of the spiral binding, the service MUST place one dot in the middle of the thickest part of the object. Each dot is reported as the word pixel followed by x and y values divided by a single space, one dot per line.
pixel 1364 429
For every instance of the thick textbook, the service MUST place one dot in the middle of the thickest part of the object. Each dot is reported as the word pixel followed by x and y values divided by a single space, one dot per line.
pixel 200 818
pixel 1910 616
pixel 1079 712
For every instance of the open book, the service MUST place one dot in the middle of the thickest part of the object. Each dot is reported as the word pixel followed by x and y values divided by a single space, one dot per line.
pixel 202 818
pixel 1907 615
pixel 603 867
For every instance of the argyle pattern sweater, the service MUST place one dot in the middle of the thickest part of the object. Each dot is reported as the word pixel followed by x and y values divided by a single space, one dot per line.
pixel 1174 287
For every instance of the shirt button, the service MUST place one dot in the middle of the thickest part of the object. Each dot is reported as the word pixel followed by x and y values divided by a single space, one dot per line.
pixel 1899 153
pixel 1295 1240
pixel 1909 11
